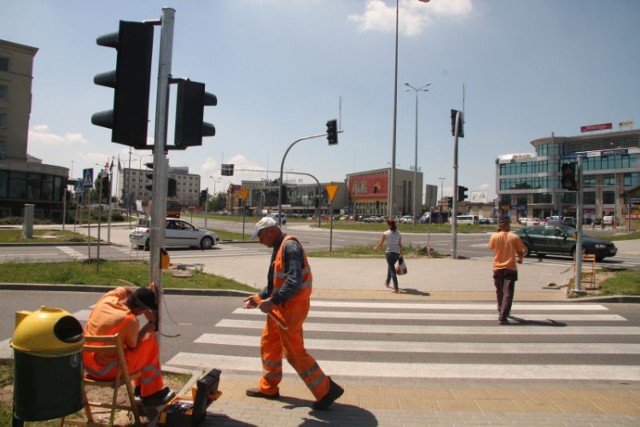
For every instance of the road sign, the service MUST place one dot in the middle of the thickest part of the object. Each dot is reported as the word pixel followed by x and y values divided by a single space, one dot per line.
pixel 78 188
pixel 87 178
pixel 331 191
pixel 244 192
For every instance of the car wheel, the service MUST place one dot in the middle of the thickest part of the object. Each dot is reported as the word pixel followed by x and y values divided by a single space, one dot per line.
pixel 206 242
pixel 146 245
pixel 599 258
pixel 526 251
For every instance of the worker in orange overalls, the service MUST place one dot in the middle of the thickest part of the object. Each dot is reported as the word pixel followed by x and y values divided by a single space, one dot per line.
pixel 116 313
pixel 286 300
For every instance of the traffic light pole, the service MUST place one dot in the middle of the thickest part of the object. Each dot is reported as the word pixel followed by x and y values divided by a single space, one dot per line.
pixel 282 169
pixel 579 214
pixel 454 219
pixel 160 161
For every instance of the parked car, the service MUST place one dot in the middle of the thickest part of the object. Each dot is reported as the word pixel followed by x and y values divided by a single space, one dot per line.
pixel 484 221
pixel 275 216
pixel 406 219
pixel 532 221
pixel 560 240
pixel 177 233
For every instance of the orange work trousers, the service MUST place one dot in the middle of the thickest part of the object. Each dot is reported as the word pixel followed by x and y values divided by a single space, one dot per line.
pixel 144 358
pixel 276 341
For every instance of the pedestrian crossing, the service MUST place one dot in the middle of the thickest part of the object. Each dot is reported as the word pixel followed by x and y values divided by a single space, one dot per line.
pixel 439 340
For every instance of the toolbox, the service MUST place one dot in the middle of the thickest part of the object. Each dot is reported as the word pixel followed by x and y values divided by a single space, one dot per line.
pixel 185 411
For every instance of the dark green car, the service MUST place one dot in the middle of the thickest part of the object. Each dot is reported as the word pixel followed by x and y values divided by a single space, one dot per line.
pixel 559 240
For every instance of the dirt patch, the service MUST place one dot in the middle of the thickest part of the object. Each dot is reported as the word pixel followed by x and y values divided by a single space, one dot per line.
pixel 103 394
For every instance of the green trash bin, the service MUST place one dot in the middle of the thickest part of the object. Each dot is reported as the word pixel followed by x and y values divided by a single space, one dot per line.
pixel 47 346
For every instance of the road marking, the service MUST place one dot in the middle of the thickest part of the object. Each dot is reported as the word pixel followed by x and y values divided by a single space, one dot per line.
pixel 424 370
pixel 459 306
pixel 513 329
pixel 72 252
pixel 436 347
pixel 550 318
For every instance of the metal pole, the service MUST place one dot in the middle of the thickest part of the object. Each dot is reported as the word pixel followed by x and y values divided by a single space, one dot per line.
pixel 415 166
pixel 160 161
pixel 206 199
pixel 579 208
pixel 282 169
pixel 454 219
pixel 392 178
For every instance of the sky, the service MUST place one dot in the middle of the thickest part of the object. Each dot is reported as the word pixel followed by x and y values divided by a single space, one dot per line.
pixel 520 69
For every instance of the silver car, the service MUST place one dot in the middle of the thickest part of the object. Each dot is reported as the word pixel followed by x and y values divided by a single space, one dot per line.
pixel 177 233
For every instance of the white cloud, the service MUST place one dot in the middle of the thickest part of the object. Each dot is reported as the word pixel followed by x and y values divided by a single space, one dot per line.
pixel 414 16
pixel 41 134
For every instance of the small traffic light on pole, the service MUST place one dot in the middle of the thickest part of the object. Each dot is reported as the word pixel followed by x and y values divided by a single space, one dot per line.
pixel 457 118
pixel 449 202
pixel 149 176
pixel 227 169
pixel 332 132
pixel 128 120
pixel 569 177
pixel 462 193
pixel 190 126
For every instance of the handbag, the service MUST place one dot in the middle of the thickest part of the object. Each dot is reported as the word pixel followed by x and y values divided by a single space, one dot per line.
pixel 402 267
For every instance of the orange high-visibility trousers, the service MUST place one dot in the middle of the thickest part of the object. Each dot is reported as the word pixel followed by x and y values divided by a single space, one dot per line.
pixel 276 341
pixel 144 358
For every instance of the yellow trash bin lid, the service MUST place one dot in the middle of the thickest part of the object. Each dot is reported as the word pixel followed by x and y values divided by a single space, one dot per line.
pixel 48 332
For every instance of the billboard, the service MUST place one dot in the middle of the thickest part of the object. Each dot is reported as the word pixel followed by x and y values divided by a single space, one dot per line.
pixel 591 128
pixel 478 197
pixel 368 187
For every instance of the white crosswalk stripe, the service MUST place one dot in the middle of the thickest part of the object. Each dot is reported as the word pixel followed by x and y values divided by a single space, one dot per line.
pixel 72 252
pixel 431 340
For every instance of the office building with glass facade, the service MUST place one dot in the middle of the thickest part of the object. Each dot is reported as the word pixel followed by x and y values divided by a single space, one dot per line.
pixel 529 184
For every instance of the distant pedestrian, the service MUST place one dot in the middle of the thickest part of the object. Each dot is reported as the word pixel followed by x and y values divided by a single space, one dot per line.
pixel 508 252
pixel 394 251
pixel 286 300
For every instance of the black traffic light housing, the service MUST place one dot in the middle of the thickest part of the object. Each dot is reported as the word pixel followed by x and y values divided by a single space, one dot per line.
pixel 227 169
pixel 105 189
pixel 569 177
pixel 460 132
pixel 462 193
pixel 149 176
pixel 172 188
pixel 450 202
pixel 332 132
pixel 189 126
pixel 128 120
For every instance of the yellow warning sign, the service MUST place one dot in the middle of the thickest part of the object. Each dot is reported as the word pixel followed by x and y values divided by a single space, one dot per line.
pixel 331 191
pixel 244 192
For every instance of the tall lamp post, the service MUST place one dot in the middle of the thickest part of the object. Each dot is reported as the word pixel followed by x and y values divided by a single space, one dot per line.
pixel 423 88
pixel 442 190
pixel 392 180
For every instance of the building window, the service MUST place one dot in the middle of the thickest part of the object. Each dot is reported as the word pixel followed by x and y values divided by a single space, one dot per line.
pixel 4 90
pixel 3 120
pixel 4 64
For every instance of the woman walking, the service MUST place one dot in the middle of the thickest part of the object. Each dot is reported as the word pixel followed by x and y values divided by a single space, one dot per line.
pixel 394 252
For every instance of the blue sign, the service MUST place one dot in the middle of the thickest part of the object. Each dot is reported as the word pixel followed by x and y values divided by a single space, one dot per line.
pixel 87 179
pixel 78 188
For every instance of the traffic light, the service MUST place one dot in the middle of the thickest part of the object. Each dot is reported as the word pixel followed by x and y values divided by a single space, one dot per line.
pixel 450 202
pixel 332 132
pixel 454 113
pixel 227 169
pixel 462 193
pixel 190 127
pixel 128 120
pixel 569 177
pixel 105 188
pixel 149 176
pixel 172 188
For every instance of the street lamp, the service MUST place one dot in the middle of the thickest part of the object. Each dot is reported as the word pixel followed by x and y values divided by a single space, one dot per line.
pixel 395 117
pixel 423 88
pixel 441 191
